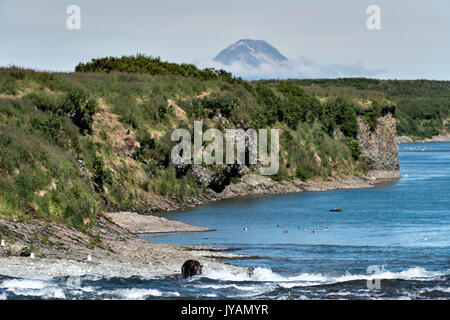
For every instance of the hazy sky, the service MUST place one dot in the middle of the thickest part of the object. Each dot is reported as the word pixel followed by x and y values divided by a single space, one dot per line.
pixel 413 42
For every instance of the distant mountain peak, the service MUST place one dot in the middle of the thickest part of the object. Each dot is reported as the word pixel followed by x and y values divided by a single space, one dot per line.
pixel 250 52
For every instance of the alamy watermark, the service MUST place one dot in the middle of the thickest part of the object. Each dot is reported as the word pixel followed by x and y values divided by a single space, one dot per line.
pixel 374 20
pixel 374 283
pixel 73 22
pixel 73 282
pixel 251 147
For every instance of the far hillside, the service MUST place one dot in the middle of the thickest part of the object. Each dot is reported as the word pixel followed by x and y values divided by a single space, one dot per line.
pixel 422 106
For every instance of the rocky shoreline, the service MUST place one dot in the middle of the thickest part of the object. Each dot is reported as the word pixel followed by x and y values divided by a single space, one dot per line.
pixel 60 250
pixel 252 185
pixel 139 224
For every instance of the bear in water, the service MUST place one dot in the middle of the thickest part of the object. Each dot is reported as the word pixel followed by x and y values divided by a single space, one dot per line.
pixel 191 268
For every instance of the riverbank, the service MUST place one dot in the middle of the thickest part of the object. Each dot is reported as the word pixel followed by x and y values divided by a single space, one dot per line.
pixel 257 185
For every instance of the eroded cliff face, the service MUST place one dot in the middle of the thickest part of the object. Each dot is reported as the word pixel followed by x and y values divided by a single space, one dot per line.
pixel 379 148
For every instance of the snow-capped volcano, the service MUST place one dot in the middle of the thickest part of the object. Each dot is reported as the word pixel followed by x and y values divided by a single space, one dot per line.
pixel 250 52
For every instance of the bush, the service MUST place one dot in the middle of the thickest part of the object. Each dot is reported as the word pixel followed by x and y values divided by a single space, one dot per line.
pixel 353 145
pixel 301 173
pixel 154 66
pixel 81 109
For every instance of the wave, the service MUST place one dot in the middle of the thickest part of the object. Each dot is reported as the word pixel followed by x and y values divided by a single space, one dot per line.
pixel 309 279
pixel 51 289
pixel 137 294
pixel 33 288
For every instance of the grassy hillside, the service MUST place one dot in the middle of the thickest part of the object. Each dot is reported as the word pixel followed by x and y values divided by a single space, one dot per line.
pixel 65 154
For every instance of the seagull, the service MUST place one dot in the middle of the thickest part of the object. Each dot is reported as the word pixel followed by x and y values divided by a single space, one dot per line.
pixel 32 256
pixel 3 243
pixel 89 258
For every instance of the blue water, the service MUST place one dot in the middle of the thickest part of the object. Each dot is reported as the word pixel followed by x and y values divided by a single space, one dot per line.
pixel 401 230
pixel 403 227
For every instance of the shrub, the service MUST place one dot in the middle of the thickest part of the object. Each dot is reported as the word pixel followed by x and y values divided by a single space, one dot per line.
pixel 353 145
pixel 301 173
pixel 80 108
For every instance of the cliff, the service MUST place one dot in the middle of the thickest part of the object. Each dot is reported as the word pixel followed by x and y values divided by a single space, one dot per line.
pixel 379 148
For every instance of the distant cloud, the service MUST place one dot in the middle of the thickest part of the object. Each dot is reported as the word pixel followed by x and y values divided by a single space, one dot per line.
pixel 301 67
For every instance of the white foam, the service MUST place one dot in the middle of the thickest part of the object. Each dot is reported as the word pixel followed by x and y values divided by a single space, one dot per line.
pixel 135 294
pixel 138 293
pixel 225 286
pixel 446 290
pixel 23 284
pixel 35 288
pixel 308 279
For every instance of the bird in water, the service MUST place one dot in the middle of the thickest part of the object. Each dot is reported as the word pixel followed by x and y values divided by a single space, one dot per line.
pixel 285 231
pixel 246 229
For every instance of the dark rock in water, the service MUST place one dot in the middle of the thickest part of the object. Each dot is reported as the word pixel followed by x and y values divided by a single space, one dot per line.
pixel 4 252
pixel 336 210
pixel 191 268
pixel 25 252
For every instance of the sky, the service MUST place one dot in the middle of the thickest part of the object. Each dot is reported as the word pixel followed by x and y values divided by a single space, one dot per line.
pixel 321 38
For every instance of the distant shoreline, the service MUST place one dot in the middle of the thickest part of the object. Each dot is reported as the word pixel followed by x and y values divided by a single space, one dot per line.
pixel 434 139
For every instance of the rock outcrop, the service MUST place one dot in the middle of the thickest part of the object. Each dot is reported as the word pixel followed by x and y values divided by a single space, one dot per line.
pixel 379 148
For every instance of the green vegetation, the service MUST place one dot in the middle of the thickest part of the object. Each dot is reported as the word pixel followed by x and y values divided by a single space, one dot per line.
pixel 149 65
pixel 74 144
pixel 422 106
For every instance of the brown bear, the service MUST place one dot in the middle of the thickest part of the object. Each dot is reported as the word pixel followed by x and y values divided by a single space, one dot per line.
pixel 191 268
